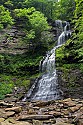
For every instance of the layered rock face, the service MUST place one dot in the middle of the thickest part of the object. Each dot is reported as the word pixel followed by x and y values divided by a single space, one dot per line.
pixel 11 41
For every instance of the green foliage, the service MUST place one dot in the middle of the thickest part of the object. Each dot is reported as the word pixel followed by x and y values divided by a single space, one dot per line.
pixel 72 51
pixel 33 23
pixel 8 4
pixel 26 64
pixel 38 22
pixel 66 9
pixel 8 82
pixel 6 85
pixel 5 18
pixel 59 55
pixel 30 16
pixel 48 8
pixel 5 89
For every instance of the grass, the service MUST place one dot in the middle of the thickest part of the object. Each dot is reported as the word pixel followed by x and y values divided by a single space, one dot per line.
pixel 8 82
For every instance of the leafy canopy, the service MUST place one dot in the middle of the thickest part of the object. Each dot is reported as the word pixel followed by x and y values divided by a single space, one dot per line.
pixel 5 18
pixel 33 22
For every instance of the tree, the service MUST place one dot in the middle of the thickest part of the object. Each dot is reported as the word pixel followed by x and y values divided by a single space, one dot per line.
pixel 66 9
pixel 47 7
pixel 5 18
pixel 33 23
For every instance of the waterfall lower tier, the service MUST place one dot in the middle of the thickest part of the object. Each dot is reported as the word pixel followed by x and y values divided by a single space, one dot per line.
pixel 47 88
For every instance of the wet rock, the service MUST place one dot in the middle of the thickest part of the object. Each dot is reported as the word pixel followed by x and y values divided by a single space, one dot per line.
pixel 61 123
pixel 2 119
pixel 2 103
pixel 65 111
pixel 31 111
pixel 15 109
pixel 78 116
pixel 80 122
pixel 75 108
pixel 58 109
pixel 9 114
pixel 50 121
pixel 51 108
pixel 81 109
pixel 41 103
pixel 36 117
pixel 81 116
pixel 5 123
pixel 63 120
pixel 10 99
pixel 36 108
pixel 54 113
pixel 8 95
pixel 69 102
pixel 4 114
pixel 22 123
pixel 11 120
pixel 66 100
pixel 18 123
pixel 43 111
pixel 37 122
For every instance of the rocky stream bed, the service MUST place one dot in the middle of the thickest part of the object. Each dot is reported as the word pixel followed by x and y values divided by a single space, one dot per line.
pixel 61 112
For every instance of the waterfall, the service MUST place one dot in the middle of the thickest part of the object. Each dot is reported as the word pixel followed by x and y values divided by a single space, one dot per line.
pixel 66 33
pixel 47 88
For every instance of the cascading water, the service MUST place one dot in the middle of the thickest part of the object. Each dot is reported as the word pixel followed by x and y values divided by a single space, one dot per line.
pixel 47 88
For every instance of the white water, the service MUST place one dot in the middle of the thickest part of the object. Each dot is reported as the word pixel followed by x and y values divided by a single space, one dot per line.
pixel 47 87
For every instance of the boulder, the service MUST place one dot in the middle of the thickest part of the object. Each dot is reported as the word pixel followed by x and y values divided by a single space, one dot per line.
pixel 63 120
pixel 80 122
pixel 15 109
pixel 2 119
pixel 37 122
pixel 8 95
pixel 81 109
pixel 65 111
pixel 75 108
pixel 70 103
pixel 61 123
pixel 11 120
pixel 5 123
pixel 66 100
pixel 2 103
pixel 43 103
pixel 31 111
pixel 54 113
pixel 18 123
pixel 9 114
pixel 4 114
pixel 36 117
pixel 10 99
pixel 22 123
